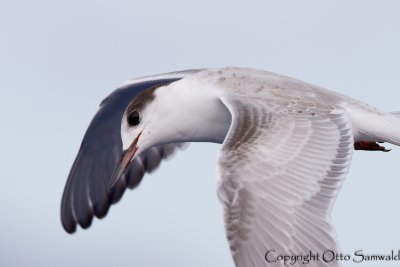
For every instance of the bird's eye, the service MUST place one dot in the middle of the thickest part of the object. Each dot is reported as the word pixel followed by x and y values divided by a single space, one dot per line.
pixel 134 118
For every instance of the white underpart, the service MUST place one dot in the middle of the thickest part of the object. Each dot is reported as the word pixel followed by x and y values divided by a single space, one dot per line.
pixel 286 153
pixel 177 114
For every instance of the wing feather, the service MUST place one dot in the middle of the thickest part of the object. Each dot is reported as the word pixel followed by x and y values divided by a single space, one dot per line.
pixel 280 173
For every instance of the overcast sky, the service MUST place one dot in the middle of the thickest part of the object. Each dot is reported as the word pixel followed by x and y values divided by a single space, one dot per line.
pixel 59 59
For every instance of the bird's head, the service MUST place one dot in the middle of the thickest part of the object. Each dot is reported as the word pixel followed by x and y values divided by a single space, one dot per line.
pixel 167 114
pixel 136 129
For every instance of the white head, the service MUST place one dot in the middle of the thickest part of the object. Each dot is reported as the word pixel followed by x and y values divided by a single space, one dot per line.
pixel 162 114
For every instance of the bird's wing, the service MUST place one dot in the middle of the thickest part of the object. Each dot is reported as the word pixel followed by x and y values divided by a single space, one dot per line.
pixel 281 167
pixel 85 194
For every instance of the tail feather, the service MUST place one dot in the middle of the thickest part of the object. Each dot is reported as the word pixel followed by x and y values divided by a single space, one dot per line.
pixel 391 133
pixel 396 114
pixel 372 125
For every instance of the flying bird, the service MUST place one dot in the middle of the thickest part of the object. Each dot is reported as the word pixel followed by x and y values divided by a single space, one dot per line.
pixel 286 149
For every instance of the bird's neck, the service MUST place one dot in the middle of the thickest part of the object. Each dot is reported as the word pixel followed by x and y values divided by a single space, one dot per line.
pixel 199 115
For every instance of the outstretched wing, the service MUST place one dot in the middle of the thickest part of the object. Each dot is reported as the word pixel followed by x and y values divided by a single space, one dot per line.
pixel 85 194
pixel 281 168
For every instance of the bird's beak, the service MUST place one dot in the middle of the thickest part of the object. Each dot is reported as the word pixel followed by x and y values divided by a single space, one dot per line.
pixel 123 162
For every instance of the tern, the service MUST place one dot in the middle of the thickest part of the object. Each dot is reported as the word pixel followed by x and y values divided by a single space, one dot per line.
pixel 286 149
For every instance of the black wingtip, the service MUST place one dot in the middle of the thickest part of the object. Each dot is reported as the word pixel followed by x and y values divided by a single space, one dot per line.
pixel 101 209
pixel 70 228
pixel 86 222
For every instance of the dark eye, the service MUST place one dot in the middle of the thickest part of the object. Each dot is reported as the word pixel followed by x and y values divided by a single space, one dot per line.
pixel 134 118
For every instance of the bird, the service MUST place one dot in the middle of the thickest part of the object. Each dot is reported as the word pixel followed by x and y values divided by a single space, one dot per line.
pixel 286 149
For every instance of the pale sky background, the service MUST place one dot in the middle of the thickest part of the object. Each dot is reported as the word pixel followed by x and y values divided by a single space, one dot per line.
pixel 59 59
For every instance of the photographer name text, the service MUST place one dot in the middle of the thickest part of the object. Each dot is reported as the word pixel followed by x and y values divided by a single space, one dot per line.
pixel 358 256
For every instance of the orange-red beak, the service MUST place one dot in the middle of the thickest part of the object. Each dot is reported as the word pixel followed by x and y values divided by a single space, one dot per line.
pixel 125 159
